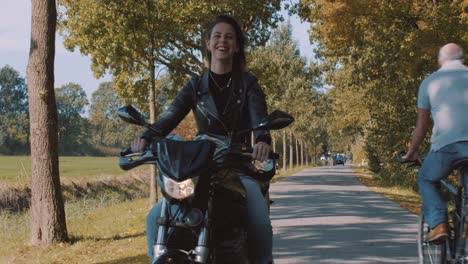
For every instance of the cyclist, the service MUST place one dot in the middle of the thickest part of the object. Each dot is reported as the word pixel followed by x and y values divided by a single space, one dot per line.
pixel 444 95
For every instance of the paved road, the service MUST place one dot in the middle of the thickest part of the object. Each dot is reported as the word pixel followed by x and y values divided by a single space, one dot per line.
pixel 325 215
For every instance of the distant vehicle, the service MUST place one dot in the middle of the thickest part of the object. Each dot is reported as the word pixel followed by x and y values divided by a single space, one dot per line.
pixel 339 159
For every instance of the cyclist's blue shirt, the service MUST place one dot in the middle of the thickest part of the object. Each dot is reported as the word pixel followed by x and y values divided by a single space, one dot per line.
pixel 445 94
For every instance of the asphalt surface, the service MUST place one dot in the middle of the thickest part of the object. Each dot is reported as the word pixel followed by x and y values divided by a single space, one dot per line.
pixel 325 215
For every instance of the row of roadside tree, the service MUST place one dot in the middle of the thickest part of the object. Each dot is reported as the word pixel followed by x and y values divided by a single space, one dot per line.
pixel 97 132
pixel 91 126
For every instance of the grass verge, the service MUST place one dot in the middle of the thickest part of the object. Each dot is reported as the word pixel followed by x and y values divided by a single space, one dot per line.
pixel 284 174
pixel 99 233
pixel 406 198
pixel 128 187
pixel 102 231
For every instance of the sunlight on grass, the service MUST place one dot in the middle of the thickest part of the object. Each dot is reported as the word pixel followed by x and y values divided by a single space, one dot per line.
pixel 99 233
pixel 406 198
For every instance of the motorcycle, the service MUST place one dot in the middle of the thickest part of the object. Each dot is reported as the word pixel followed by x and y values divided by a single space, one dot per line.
pixel 203 214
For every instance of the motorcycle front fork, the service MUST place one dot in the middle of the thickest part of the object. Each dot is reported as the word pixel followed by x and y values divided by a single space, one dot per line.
pixel 201 252
pixel 161 241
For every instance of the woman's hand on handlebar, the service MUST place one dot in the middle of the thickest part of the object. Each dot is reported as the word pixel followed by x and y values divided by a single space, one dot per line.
pixel 138 145
pixel 261 150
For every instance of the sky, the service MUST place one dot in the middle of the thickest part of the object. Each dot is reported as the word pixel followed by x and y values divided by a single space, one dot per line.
pixel 15 29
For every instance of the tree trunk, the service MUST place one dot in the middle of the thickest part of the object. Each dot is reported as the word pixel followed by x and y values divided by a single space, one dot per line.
pixel 273 141
pixel 284 149
pixel 315 152
pixel 48 223
pixel 302 153
pixel 291 151
pixel 297 152
pixel 152 109
pixel 306 153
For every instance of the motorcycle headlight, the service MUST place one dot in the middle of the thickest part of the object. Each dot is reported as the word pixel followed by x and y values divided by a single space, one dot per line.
pixel 180 190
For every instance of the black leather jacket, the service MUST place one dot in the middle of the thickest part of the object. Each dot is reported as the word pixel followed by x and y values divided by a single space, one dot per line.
pixel 246 107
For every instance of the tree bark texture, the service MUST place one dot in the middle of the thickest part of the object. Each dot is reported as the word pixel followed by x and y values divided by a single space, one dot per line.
pixel 306 153
pixel 285 143
pixel 291 151
pixel 152 108
pixel 302 153
pixel 47 208
pixel 273 141
pixel 297 153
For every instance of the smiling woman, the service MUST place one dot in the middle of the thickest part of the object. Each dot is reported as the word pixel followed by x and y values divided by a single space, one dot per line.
pixel 225 100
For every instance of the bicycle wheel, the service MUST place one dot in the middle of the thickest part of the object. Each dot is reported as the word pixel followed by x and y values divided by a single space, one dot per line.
pixel 429 252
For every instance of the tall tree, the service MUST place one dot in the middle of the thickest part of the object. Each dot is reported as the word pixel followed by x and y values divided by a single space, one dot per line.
pixel 14 118
pixel 285 77
pixel 73 131
pixel 47 208
pixel 108 129
pixel 131 39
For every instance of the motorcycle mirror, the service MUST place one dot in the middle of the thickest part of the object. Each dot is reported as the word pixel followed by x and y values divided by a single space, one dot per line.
pixel 275 120
pixel 130 115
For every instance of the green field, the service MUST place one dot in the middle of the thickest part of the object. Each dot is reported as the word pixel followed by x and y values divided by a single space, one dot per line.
pixel 17 169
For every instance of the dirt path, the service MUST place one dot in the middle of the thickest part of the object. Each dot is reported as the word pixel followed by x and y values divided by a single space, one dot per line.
pixel 325 215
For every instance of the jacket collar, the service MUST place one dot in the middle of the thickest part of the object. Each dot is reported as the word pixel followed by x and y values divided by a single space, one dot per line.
pixel 234 101
pixel 208 101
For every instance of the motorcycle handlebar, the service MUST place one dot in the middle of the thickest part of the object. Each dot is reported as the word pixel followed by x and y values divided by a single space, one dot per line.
pixel 126 152
pixel 247 152
pixel 127 159
pixel 272 155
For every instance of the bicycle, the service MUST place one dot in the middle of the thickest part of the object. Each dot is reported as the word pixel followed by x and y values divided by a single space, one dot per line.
pixel 452 249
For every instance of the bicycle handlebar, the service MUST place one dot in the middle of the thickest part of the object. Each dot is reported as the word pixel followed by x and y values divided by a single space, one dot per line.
pixel 399 157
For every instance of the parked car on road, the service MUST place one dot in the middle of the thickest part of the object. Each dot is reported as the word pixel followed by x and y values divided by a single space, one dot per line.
pixel 339 159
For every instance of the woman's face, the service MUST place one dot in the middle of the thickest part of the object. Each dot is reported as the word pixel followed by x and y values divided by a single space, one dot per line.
pixel 222 43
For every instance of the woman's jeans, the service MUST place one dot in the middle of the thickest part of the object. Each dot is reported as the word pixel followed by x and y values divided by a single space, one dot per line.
pixel 259 231
pixel 436 166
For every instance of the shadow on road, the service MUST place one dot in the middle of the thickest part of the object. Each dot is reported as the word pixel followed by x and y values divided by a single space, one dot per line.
pixel 325 215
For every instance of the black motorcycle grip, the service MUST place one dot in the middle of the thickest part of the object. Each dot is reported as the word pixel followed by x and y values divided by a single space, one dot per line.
pixel 273 155
pixel 125 152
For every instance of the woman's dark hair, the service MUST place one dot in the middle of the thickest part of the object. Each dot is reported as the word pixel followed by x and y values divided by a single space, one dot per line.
pixel 239 57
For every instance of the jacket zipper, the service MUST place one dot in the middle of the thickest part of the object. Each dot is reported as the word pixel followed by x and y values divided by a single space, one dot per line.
pixel 204 111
